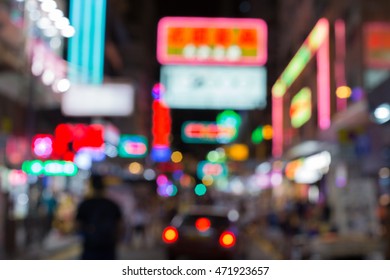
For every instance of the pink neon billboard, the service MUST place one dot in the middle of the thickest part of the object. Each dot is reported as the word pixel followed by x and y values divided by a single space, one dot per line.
pixel 316 44
pixel 215 41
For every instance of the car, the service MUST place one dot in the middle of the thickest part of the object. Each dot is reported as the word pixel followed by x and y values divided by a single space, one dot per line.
pixel 203 233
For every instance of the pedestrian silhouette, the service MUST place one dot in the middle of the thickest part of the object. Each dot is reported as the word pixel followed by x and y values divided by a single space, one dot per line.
pixel 99 221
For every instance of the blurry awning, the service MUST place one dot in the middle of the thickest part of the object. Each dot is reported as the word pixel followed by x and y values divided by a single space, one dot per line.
pixel 356 115
pixel 307 148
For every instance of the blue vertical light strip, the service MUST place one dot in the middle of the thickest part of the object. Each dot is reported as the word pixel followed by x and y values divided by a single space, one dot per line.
pixel 87 43
pixel 75 17
pixel 92 38
pixel 86 48
pixel 99 41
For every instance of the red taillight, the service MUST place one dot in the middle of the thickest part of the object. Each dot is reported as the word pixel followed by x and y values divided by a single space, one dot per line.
pixel 202 224
pixel 170 234
pixel 227 239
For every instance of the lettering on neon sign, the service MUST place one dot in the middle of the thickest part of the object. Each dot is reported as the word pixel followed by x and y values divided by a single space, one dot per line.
pixel 300 109
pixel 207 132
pixel 184 40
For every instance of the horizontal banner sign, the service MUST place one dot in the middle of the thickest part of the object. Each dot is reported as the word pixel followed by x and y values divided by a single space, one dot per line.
pixel 98 100
pixel 203 87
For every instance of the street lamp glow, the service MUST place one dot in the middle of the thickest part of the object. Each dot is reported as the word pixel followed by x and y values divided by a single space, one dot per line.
pixel 382 113
pixel 56 15
pixel 63 85
pixel 68 31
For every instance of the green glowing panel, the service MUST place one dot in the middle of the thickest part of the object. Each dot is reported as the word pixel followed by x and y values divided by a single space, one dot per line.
pixel 50 168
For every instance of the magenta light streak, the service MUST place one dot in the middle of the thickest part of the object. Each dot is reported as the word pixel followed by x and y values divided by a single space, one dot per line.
pixel 340 61
pixel 323 84
pixel 277 126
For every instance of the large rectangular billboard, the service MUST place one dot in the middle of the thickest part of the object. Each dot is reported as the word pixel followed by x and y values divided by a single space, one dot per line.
pixel 217 41
pixel 98 100
pixel 205 87
pixel 377 45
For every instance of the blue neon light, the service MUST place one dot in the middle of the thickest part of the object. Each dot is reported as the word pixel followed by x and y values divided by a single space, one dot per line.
pixel 86 48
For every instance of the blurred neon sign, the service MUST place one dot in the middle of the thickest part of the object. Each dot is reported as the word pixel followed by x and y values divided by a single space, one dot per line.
pixel 218 41
pixel 317 43
pixel 42 145
pixel 132 146
pixel 70 138
pixel 207 168
pixel 377 44
pixel 300 109
pixel 217 87
pixel 86 47
pixel 50 168
pixel 207 132
pixel 161 127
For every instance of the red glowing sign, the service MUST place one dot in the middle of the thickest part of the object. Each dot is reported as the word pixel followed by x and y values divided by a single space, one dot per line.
pixel 161 127
pixel 70 138
pixel 377 44
pixel 207 132
pixel 189 40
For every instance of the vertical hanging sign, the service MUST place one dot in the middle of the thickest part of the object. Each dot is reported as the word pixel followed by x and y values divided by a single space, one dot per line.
pixel 86 47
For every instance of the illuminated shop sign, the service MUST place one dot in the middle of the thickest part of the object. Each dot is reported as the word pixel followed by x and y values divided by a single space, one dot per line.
pixel 50 168
pixel 207 132
pixel 161 126
pixel 377 44
pixel 217 41
pixel 317 43
pixel 70 138
pixel 98 100
pixel 132 146
pixel 207 168
pixel 202 87
pixel 86 47
pixel 300 109
pixel 42 145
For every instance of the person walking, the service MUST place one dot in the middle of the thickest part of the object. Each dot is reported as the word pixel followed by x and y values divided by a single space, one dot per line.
pixel 99 221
